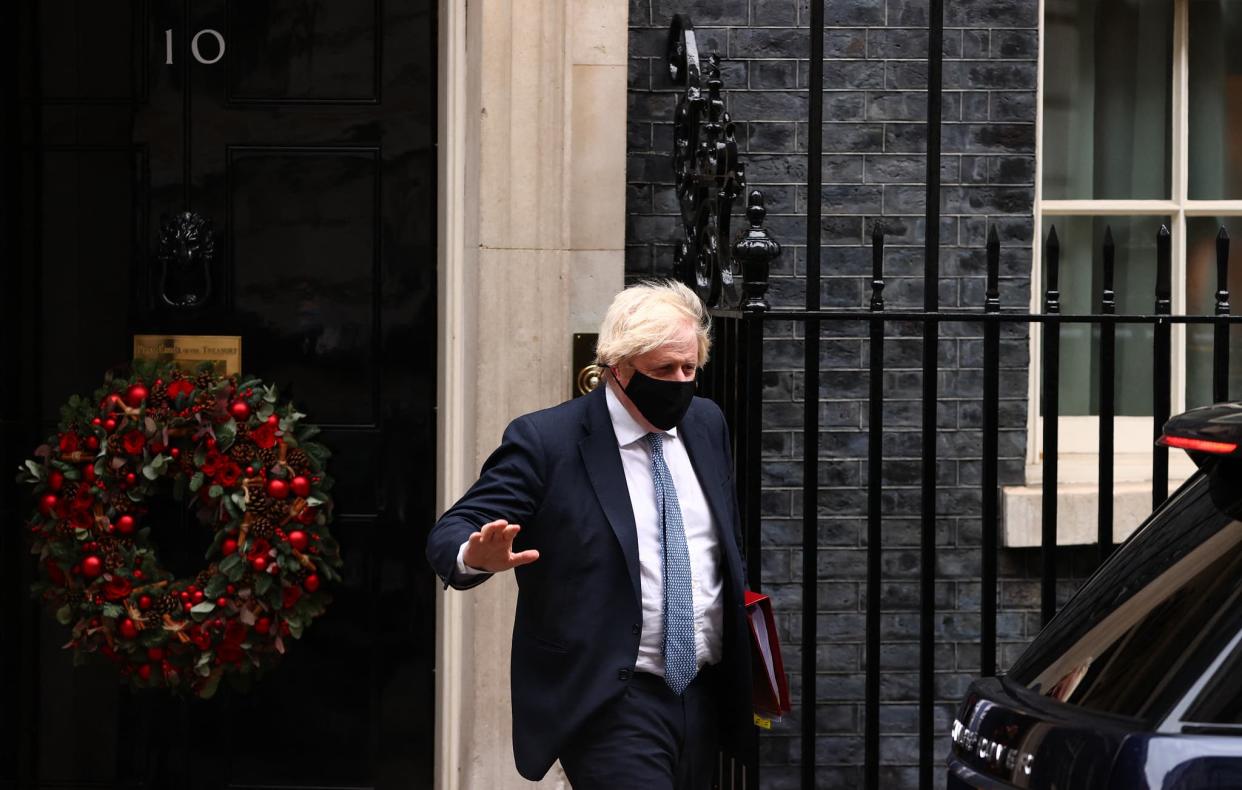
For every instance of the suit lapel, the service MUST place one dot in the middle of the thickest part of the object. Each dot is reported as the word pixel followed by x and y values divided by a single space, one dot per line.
pixel 602 460
pixel 708 469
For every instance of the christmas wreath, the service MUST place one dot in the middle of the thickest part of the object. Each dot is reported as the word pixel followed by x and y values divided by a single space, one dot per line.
pixel 247 467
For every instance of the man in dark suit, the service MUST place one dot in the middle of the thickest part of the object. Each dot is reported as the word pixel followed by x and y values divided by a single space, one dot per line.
pixel 617 513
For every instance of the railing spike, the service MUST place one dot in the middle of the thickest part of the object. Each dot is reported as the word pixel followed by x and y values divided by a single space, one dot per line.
pixel 1052 260
pixel 1108 301
pixel 992 296
pixel 877 267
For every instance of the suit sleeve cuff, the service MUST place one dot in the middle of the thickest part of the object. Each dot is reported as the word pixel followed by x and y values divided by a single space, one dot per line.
pixel 462 568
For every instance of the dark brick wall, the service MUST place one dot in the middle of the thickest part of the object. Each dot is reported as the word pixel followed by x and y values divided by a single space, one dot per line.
pixel 873 171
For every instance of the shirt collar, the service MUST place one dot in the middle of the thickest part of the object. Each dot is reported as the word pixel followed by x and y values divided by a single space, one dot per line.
pixel 625 426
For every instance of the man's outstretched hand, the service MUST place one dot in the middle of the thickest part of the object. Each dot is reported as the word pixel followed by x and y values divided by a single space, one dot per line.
pixel 491 548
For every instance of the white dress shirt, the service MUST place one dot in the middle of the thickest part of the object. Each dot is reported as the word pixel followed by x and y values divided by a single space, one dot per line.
pixel 701 541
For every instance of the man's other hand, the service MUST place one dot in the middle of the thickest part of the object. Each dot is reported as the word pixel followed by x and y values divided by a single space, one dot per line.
pixel 491 548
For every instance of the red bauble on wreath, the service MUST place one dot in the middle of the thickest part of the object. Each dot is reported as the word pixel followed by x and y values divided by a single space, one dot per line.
pixel 246 465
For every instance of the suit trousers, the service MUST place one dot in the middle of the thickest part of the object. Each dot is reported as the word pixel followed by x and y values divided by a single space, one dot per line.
pixel 649 738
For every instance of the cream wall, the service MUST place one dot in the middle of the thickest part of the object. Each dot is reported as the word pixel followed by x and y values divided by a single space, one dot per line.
pixel 532 232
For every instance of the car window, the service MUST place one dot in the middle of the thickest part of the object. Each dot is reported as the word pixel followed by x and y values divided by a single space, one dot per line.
pixel 1154 617
pixel 1220 701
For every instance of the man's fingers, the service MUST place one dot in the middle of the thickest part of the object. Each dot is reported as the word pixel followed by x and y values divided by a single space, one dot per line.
pixel 523 557
pixel 491 528
pixel 510 532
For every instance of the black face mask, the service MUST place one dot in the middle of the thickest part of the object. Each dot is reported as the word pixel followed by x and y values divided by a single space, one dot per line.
pixel 663 403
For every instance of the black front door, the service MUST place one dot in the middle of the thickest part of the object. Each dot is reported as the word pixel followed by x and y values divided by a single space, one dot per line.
pixel 304 132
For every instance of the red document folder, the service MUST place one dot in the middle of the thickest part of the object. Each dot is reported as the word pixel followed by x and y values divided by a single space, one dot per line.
pixel 769 686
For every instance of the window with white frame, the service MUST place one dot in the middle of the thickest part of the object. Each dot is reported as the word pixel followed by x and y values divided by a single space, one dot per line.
pixel 1140 126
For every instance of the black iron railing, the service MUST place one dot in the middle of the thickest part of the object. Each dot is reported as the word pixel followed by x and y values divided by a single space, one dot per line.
pixel 709 177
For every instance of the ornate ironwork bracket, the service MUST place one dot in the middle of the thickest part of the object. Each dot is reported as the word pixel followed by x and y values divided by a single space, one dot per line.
pixel 186 251
pixel 710 176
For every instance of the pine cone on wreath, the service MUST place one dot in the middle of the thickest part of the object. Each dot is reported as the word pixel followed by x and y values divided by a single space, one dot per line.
pixel 263 527
pixel 204 380
pixel 271 508
pixel 299 461
pixel 158 395
pixel 241 452
pixel 166 604
pixel 268 457
pixel 120 502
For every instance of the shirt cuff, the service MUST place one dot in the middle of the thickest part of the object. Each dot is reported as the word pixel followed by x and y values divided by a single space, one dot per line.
pixel 462 567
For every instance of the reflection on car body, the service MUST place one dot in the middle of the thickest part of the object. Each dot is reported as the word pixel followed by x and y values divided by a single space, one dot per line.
pixel 1137 682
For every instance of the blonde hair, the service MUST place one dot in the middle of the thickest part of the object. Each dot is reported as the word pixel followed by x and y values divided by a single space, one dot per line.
pixel 647 315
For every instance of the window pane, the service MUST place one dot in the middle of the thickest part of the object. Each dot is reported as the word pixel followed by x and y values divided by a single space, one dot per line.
pixel 1215 100
pixel 1200 300
pixel 1082 286
pixel 1107 109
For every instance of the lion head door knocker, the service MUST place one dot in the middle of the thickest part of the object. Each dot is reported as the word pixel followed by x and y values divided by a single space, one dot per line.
pixel 187 248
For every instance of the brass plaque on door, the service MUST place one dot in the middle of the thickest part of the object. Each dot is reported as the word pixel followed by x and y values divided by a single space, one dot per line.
pixel 223 350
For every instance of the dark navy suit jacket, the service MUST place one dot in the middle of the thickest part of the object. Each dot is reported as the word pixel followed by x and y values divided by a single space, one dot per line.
pixel 558 474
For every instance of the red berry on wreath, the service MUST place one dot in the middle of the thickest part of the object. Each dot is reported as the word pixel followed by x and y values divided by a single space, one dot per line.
pixel 135 395
pixel 130 478
pixel 297 539
pixel 249 471
pixel 312 582
pixel 240 410
pixel 222 602
pixel 92 442
pixel 259 563
pixel 183 595
pixel 187 606
pixel 96 421
pixel 175 452
pixel 277 488
pixel 155 653
pixel 92 566
pixel 144 671
pixel 198 596
pixel 228 547
pixel 56 480
pixel 109 425
pixel 125 524
pixel 273 420
pixel 47 504
pixel 129 629
pixel 138 574
pixel 231 590
pixel 300 486
pixel 263 625
pixel 88 473
pixel 144 602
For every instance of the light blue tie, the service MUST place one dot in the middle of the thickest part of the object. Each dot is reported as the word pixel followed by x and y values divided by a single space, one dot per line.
pixel 680 664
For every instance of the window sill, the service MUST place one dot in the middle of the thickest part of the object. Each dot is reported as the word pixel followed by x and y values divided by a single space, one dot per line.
pixel 1078 497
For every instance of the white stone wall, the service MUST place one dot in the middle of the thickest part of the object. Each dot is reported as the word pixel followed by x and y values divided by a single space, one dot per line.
pixel 532 215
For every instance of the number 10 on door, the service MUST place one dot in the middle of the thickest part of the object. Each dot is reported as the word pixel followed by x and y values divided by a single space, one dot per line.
pixel 194 46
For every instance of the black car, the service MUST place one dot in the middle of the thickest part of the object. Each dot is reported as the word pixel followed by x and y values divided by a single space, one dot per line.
pixel 1137 682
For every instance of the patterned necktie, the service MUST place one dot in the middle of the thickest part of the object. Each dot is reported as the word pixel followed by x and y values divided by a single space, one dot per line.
pixel 680 664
